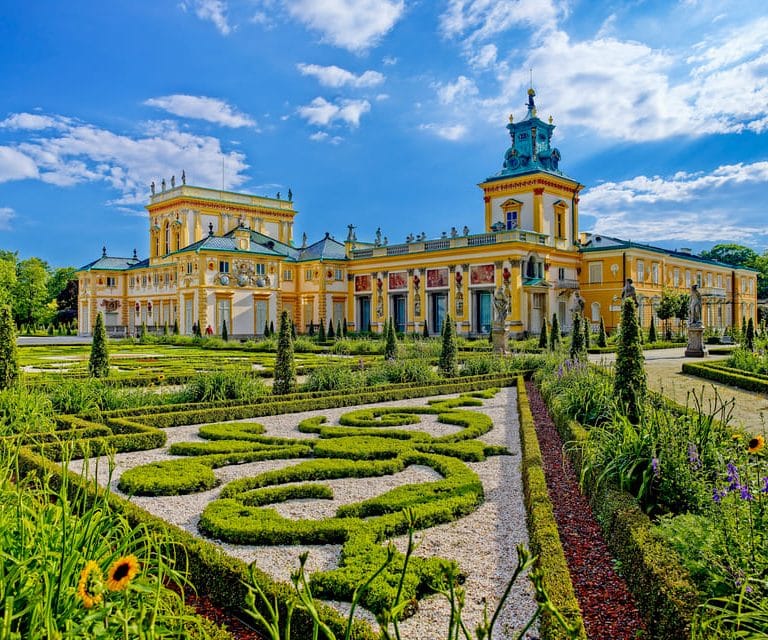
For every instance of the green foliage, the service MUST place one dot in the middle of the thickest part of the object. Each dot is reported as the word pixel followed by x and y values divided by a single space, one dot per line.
pixel 587 334
pixel 168 478
pixel 652 332
pixel 448 364
pixel 554 336
pixel 31 297
pixel 602 337
pixel 425 330
pixel 749 336
pixel 98 364
pixel 543 338
pixel 321 337
pixel 176 327
pixel 285 368
pixel 228 384
pixel 224 332
pixel 630 385
pixel 25 412
pixel 331 332
pixel 578 350
pixel 334 376
pixel 390 340
pixel 9 357
pixel 344 328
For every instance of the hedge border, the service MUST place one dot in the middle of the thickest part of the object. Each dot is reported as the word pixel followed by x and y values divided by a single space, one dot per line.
pixel 666 596
pixel 726 375
pixel 544 536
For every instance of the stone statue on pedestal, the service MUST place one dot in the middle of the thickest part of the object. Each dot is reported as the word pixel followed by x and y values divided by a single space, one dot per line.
pixel 694 307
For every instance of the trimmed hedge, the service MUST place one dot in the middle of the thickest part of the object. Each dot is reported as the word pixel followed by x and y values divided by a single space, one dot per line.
pixel 664 591
pixel 210 570
pixel 544 536
pixel 727 375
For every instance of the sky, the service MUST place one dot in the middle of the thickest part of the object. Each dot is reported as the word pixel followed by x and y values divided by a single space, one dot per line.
pixel 379 113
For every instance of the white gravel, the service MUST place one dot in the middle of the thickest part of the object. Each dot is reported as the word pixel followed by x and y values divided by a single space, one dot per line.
pixel 482 543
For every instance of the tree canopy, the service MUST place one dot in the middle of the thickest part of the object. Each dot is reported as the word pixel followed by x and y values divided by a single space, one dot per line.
pixel 740 256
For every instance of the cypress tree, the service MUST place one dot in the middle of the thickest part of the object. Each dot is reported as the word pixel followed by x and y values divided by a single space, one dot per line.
pixel 339 333
pixel 311 329
pixel 176 327
pixel 9 357
pixel 344 328
pixel 652 331
pixel 369 327
pixel 198 330
pixel 587 333
pixel 425 330
pixel 577 339
pixel 165 329
pixel 390 341
pixel 266 328
pixel 448 354
pixel 630 383
pixel 98 363
pixel 750 337
pixel 285 369
pixel 293 329
pixel 602 338
pixel 331 332
pixel 321 332
pixel 554 336
pixel 543 338
pixel 224 333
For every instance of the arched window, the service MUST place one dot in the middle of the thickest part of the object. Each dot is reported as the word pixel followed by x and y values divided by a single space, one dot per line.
pixel 595 312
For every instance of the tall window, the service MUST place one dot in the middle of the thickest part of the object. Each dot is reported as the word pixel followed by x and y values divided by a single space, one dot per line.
pixel 511 220
pixel 288 274
pixel 595 272
pixel 223 266
pixel 655 273
pixel 640 272
pixel 167 238
pixel 676 277
pixel 719 280
pixel 260 269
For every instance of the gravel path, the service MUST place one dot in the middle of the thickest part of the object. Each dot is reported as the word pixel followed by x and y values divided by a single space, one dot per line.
pixel 483 543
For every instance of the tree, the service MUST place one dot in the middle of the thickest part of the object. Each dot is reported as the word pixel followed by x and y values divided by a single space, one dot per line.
pixel 630 383
pixel 749 340
pixel 266 328
pixel 321 332
pixel 344 328
pixel 652 331
pixel 667 309
pixel 390 340
pixel 30 296
pixel 293 329
pixel 683 301
pixel 425 330
pixel 285 368
pixel 577 339
pixel 331 332
pixel 176 326
pixel 554 336
pixel 224 332
pixel 543 338
pixel 9 357
pixel 165 329
pixel 339 333
pixel 602 338
pixel 587 334
pixel 733 254
pixel 449 366
pixel 98 363
pixel 7 278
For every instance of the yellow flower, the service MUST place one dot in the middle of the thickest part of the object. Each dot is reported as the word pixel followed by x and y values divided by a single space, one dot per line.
pixel 736 436
pixel 91 584
pixel 756 443
pixel 122 571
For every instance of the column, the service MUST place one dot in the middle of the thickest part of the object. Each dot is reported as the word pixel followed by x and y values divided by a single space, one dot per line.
pixel 538 210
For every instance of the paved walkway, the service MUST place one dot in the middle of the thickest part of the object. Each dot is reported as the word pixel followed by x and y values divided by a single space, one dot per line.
pixel 52 340
pixel 664 368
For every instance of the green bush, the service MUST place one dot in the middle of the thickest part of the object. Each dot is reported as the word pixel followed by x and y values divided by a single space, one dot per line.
pixel 167 478
pixel 448 358
pixel 285 369
pixel 25 412
pixel 98 364
pixel 223 385
pixel 334 377
pixel 630 384
pixel 9 358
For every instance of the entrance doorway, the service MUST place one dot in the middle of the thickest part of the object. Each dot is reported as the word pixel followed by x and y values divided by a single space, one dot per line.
pixel 438 305
pixel 482 312
pixel 363 314
pixel 399 313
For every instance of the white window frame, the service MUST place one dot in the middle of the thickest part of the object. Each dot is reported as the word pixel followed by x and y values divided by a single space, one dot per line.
pixel 595 273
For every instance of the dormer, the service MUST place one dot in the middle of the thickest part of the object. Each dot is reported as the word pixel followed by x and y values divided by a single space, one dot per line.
pixel 242 238
pixel 512 213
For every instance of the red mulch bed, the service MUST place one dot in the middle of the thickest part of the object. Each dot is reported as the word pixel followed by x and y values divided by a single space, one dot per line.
pixel 607 606
pixel 204 606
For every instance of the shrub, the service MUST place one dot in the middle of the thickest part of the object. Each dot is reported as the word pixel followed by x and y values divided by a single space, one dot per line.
pixel 543 338
pixel 321 337
pixel 334 376
pixel 749 336
pixel 652 332
pixel 285 369
pixel 167 478
pixel 223 385
pixel 331 332
pixel 554 336
pixel 630 383
pixel 577 339
pixel 587 334
pixel 602 338
pixel 224 332
pixel 448 358
pixel 9 358
pixel 98 364
pixel 25 411
pixel 390 340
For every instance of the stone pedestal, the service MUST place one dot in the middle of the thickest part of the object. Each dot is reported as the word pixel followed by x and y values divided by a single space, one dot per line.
pixel 695 348
pixel 499 337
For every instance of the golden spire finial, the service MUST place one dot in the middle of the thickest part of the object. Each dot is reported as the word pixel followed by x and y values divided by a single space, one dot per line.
pixel 511 118
pixel 550 119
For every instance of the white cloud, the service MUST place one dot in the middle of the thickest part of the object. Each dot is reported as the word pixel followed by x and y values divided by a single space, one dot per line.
pixel 15 165
pixel 485 57
pixel 356 25
pixel 477 20
pixel 685 206
pixel 86 153
pixel 463 87
pixel 6 214
pixel 323 113
pixel 389 60
pixel 202 108
pixel 743 42
pixel 333 76
pixel 31 121
pixel 446 132
pixel 322 136
pixel 215 11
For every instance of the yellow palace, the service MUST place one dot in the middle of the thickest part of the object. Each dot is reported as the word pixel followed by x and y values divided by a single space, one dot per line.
pixel 220 257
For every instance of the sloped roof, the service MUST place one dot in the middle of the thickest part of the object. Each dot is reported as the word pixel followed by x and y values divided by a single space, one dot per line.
pixel 110 263
pixel 325 249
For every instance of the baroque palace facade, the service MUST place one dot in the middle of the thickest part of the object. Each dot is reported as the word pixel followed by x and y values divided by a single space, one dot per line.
pixel 217 256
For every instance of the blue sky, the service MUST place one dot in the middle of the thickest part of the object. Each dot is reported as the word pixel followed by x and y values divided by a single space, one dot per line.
pixel 379 113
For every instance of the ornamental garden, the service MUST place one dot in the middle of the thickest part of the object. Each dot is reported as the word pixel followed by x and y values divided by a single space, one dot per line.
pixel 385 485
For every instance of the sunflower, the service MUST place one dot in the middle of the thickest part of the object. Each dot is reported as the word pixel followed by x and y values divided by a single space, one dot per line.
pixel 756 443
pixel 91 585
pixel 122 571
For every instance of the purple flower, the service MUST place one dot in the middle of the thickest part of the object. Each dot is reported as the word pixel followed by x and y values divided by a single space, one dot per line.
pixel 733 477
pixel 765 485
pixel 717 495
pixel 745 494
pixel 655 467
pixel 693 456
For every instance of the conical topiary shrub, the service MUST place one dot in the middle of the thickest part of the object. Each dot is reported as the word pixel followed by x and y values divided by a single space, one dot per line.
pixel 602 338
pixel 543 337
pixel 449 366
pixel 390 341
pixel 9 357
pixel 285 369
pixel 652 332
pixel 554 336
pixel 224 332
pixel 630 382
pixel 98 363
